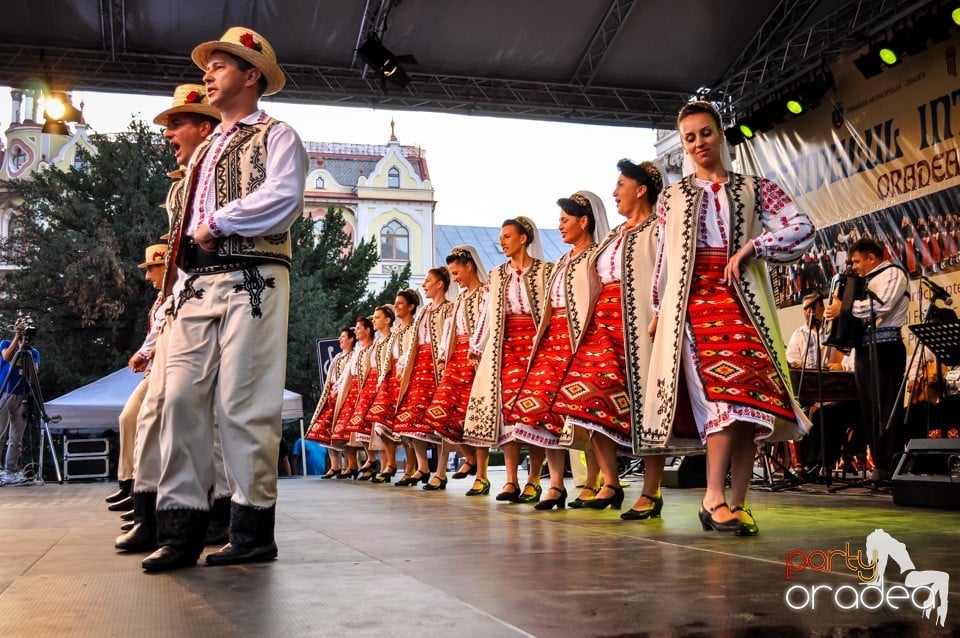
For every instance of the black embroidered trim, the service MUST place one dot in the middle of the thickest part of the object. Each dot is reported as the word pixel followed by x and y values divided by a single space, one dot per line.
pixel 188 292
pixel 254 283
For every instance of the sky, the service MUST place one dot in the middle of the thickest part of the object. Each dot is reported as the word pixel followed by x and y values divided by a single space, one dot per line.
pixel 483 169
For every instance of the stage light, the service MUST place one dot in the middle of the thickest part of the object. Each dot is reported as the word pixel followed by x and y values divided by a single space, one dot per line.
pixel 55 127
pixel 888 56
pixel 733 135
pixel 868 64
pixel 57 106
pixel 384 62
pixel 955 16
pixel 795 106
pixel 746 131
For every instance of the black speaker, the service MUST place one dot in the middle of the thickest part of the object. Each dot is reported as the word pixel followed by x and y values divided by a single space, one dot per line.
pixel 685 471
pixel 928 474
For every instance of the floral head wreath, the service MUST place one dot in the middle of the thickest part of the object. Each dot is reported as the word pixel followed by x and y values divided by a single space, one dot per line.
pixel 582 201
pixel 526 225
pixel 462 253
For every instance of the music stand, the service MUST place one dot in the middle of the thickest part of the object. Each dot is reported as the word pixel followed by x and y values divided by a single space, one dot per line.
pixel 943 339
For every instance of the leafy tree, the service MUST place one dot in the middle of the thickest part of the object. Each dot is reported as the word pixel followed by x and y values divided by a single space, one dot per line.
pixel 328 290
pixel 84 232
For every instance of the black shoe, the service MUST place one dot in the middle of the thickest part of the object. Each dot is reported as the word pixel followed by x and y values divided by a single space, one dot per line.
pixel 404 481
pixel 126 527
pixel 122 505
pixel 531 498
pixel 331 473
pixel 648 512
pixel 349 474
pixel 483 490
pixel 747 528
pixel 615 502
pixel 141 538
pixel 167 558
pixel 231 554
pixel 430 487
pixel 512 496
pixel 708 522
pixel 581 503
pixel 127 516
pixel 384 477
pixel 549 503
pixel 464 473
pixel 122 492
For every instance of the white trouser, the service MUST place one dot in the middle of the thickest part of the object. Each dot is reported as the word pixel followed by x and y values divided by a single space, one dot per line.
pixel 227 353
pixel 126 465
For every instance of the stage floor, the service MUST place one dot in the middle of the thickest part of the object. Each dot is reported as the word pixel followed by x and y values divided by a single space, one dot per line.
pixel 367 560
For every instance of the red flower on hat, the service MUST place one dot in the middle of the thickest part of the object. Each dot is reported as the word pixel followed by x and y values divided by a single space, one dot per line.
pixel 193 97
pixel 247 40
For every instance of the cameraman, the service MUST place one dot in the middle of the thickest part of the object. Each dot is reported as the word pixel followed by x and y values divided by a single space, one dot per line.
pixel 13 419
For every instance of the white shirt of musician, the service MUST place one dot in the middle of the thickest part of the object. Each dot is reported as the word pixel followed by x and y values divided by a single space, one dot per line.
pixel 890 287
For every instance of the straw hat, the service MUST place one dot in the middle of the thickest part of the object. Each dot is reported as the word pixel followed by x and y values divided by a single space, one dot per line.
pixel 188 98
pixel 155 255
pixel 252 47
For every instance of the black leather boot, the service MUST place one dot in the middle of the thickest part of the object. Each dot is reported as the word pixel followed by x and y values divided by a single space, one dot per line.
pixel 179 539
pixel 123 491
pixel 218 531
pixel 142 537
pixel 251 537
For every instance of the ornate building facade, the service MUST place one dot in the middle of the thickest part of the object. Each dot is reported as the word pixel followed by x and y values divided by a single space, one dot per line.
pixel 27 149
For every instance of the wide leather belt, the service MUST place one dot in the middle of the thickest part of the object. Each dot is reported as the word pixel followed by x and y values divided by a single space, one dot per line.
pixel 883 335
pixel 197 261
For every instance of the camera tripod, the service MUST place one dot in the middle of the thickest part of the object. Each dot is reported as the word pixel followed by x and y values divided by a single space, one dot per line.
pixel 37 421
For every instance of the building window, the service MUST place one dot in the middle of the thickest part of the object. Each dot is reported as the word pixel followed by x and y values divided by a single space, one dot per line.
pixel 18 158
pixel 395 242
pixel 393 177
pixel 319 184
pixel 80 163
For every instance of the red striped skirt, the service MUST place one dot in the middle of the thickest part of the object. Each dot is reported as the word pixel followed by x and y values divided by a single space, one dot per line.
pixel 340 432
pixel 448 408
pixel 322 427
pixel 518 334
pixel 384 407
pixel 420 390
pixel 733 362
pixel 534 403
pixel 594 390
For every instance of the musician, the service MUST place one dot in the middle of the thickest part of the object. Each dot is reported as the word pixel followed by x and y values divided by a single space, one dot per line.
pixel 838 416
pixel 932 406
pixel 804 344
pixel 887 301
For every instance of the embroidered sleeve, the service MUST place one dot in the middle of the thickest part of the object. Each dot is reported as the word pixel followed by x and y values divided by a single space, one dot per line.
pixel 481 329
pixel 788 232
pixel 276 204
pixel 660 263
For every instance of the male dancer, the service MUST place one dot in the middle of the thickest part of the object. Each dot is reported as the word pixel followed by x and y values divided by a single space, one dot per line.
pixel 244 188
pixel 188 122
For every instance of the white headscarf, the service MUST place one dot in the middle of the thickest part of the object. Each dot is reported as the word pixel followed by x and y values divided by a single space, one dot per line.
pixel 481 271
pixel 601 226
pixel 534 248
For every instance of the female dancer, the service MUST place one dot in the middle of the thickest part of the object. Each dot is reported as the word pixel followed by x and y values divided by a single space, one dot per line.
pixel 573 289
pixel 711 286
pixel 384 408
pixel 461 352
pixel 361 430
pixel 321 426
pixel 517 291
pixel 419 371
pixel 596 392
pixel 354 377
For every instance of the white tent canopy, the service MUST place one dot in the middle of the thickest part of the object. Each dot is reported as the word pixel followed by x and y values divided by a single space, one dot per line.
pixel 97 406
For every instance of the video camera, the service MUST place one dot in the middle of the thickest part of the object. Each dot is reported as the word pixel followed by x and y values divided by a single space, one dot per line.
pixel 25 326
